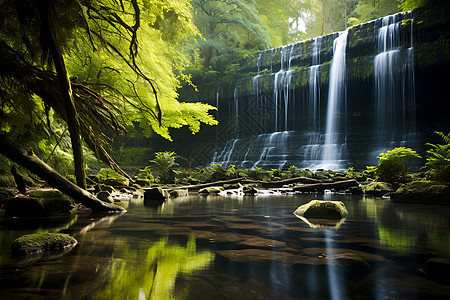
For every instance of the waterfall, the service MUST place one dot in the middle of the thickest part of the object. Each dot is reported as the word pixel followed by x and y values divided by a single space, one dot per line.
pixel 333 146
pixel 236 108
pixel 314 87
pixel 281 86
pixel 276 118
pixel 394 85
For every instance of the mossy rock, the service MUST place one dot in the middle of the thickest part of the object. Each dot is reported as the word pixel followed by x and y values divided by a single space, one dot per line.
pixel 38 204
pixel 42 243
pixel 211 190
pixel 423 192
pixel 322 209
pixel 321 174
pixel 110 177
pixel 304 173
pixel 378 188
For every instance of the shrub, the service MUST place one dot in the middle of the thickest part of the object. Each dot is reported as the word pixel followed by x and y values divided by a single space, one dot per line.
pixel 392 166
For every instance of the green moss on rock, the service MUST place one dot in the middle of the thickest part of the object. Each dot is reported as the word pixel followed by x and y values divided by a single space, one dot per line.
pixel 378 188
pixel 110 177
pixel 322 209
pixel 423 192
pixel 32 244
pixel 38 203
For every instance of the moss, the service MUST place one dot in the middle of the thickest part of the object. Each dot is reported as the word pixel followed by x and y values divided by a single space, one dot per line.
pixel 322 209
pixel 377 188
pixel 31 244
pixel 423 192
pixel 111 177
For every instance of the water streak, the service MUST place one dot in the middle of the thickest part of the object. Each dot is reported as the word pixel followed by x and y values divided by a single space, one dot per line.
pixel 332 148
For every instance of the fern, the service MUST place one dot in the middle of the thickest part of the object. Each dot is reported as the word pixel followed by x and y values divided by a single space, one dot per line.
pixel 438 160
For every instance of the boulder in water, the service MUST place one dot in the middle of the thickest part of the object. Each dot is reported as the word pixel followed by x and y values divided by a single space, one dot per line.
pixel 105 196
pixel 39 203
pixel 249 190
pixel 377 188
pixel 179 192
pixel 423 192
pixel 155 194
pixel 322 210
pixel 210 190
pixel 40 245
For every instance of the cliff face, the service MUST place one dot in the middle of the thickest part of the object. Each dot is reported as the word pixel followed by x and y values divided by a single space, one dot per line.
pixel 276 111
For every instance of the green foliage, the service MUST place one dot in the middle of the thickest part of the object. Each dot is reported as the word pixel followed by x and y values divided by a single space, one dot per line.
pixel 128 57
pixel 407 5
pixel 145 174
pixel 392 166
pixel 438 160
pixel 132 156
pixel 164 165
pixel 231 172
pixel 106 174
pixel 293 169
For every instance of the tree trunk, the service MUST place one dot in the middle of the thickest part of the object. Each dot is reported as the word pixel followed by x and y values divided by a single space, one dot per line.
pixel 53 178
pixel 65 87
pixel 208 56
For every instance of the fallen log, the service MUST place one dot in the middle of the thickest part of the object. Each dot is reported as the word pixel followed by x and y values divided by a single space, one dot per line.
pixel 281 183
pixel 243 180
pixel 320 187
pixel 31 162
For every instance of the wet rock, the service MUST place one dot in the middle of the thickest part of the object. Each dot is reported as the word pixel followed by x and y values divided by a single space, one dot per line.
pixel 376 188
pixel 210 190
pixel 249 190
pixel 423 192
pixel 143 182
pixel 39 203
pixel 105 197
pixel 106 188
pixel 155 194
pixel 40 245
pixel 23 207
pixel 322 174
pixel 179 193
pixel 356 190
pixel 322 209
pixel 232 186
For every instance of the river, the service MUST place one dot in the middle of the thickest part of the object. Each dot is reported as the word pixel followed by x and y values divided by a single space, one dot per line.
pixel 236 247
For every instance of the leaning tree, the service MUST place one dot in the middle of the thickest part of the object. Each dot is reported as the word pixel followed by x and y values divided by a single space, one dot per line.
pixel 100 65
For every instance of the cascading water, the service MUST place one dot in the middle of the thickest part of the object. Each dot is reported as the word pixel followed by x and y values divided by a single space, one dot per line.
pixel 297 109
pixel 394 86
pixel 281 87
pixel 334 145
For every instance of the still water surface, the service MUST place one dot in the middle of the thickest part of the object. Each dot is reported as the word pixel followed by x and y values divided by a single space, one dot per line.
pixel 244 247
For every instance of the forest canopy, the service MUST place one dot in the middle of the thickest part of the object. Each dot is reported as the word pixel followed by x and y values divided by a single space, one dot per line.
pixel 123 59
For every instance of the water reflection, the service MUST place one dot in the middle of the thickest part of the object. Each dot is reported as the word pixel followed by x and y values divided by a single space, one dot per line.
pixel 244 248
pixel 151 273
